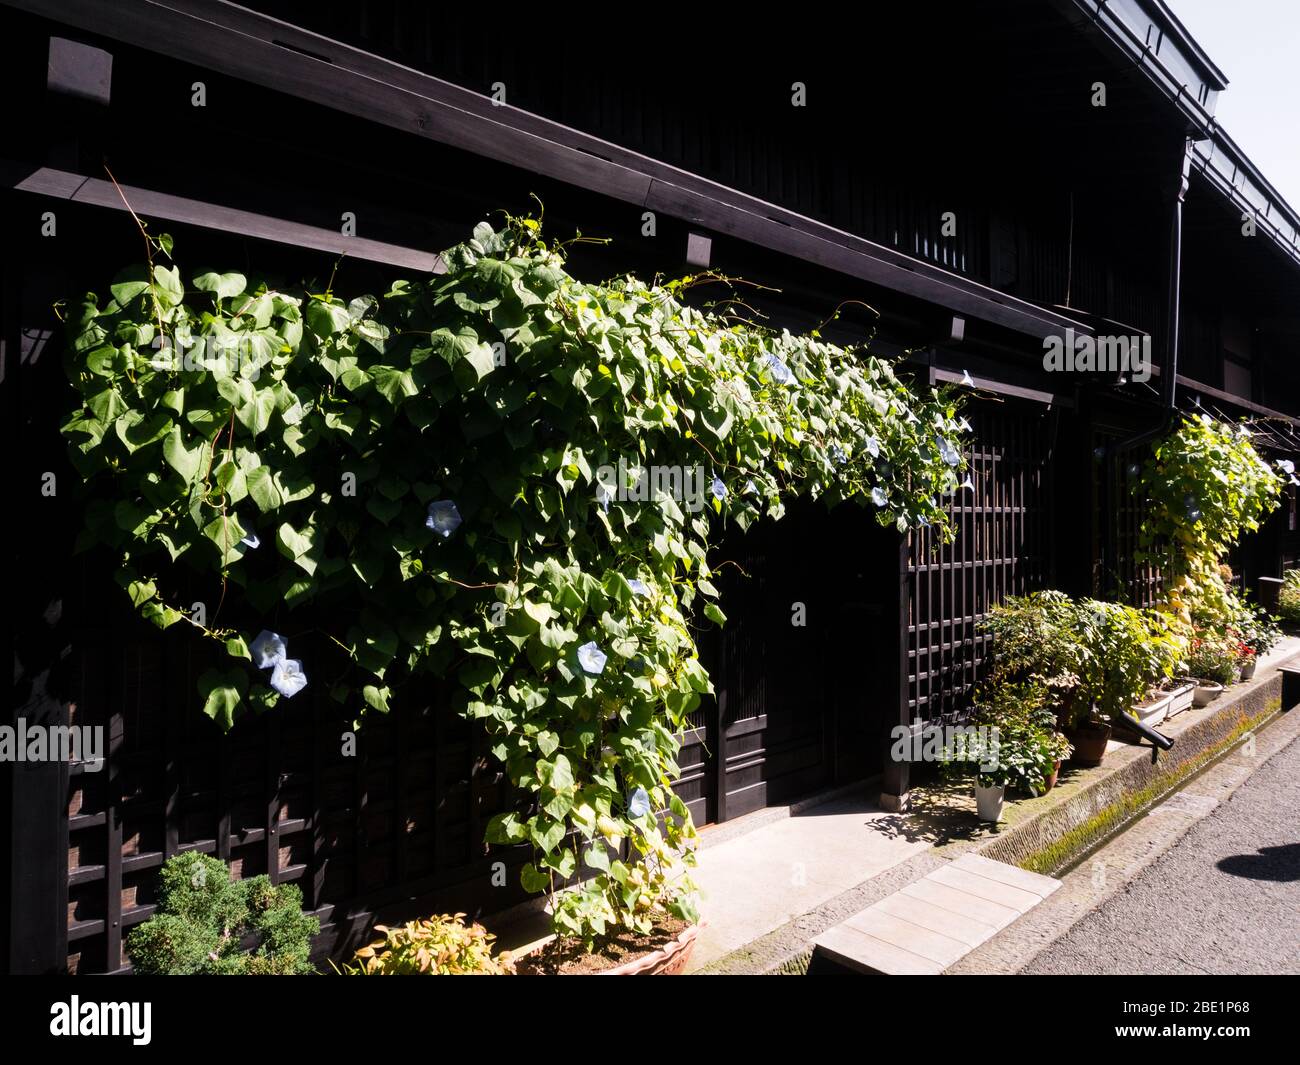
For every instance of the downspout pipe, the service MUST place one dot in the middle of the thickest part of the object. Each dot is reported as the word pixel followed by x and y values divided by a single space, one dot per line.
pixel 1177 191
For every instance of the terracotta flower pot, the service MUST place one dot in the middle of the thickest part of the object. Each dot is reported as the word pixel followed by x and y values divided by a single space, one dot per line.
pixel 668 960
pixel 1050 782
pixel 1089 744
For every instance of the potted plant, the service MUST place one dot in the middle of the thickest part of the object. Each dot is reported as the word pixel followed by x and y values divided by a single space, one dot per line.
pixel 1131 651
pixel 1011 743
pixel 1212 662
pixel 1258 633
pixel 1155 707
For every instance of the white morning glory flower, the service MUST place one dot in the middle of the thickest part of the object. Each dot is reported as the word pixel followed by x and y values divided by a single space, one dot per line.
pixel 268 649
pixel 750 487
pixel 443 517
pixel 780 371
pixel 879 497
pixel 638 587
pixel 603 497
pixel 968 483
pixel 288 678
pixel 966 379
pixel 873 447
pixel 251 541
pixel 638 803
pixel 948 453
pixel 591 658
pixel 719 489
pixel 1286 465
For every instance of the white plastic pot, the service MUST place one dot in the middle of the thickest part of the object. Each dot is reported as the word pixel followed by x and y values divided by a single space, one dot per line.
pixel 1248 670
pixel 1180 698
pixel 1206 692
pixel 988 802
pixel 1155 711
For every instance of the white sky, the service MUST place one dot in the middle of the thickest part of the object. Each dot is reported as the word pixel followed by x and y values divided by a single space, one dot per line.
pixel 1256 43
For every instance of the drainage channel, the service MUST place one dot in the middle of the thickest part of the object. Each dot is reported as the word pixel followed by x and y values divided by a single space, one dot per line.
pixel 1128 822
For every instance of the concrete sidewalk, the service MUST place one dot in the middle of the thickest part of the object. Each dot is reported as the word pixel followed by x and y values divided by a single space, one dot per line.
pixel 754 883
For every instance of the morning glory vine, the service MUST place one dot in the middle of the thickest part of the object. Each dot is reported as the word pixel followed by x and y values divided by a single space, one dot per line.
pixel 424 476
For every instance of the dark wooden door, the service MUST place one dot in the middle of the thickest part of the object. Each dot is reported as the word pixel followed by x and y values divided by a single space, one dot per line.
pixel 797 669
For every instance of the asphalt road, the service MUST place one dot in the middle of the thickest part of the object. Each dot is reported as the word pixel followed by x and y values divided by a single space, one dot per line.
pixel 1224 899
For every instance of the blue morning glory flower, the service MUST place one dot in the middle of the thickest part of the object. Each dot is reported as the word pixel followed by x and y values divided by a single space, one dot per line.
pixel 288 678
pixel 638 586
pixel 638 803
pixel 780 371
pixel 603 497
pixel 1194 514
pixel 750 487
pixel 251 541
pixel 879 497
pixel 837 453
pixel 719 489
pixel 591 658
pixel 948 453
pixel 873 447
pixel 268 649
pixel 443 517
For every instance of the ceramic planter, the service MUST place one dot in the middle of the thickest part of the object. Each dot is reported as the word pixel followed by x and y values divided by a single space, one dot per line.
pixel 668 960
pixel 988 802
pixel 1206 692
pixel 1248 670
pixel 1180 698
pixel 1089 744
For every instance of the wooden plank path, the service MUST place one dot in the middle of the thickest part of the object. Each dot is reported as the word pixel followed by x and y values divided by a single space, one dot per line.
pixel 935 921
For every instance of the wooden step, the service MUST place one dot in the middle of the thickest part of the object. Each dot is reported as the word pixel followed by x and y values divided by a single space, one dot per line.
pixel 932 923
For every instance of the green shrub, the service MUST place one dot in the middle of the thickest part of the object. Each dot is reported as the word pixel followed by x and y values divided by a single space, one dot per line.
pixel 1088 656
pixel 1288 599
pixel 438 946
pixel 203 919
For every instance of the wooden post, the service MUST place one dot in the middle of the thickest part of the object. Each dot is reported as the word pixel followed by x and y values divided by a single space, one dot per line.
pixel 895 775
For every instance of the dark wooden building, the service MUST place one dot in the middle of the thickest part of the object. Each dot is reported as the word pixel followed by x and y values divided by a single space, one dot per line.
pixel 983 177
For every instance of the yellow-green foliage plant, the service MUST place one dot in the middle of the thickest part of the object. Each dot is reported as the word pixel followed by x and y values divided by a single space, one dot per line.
pixel 1206 486
pixel 436 946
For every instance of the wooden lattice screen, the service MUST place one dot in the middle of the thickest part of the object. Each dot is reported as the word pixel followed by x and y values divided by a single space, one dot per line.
pixel 1002 547
pixel 399 820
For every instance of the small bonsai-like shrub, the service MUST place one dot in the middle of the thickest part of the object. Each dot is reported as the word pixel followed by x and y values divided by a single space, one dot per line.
pixel 437 946
pixel 204 918
pixel 1214 656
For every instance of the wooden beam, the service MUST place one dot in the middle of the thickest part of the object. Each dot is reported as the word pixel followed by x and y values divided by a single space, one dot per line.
pixel 63 185
pixel 243 44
